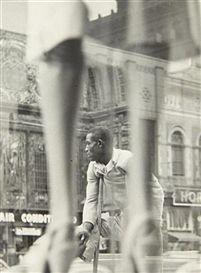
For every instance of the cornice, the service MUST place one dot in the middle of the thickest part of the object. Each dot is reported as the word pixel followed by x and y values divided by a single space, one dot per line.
pixel 104 113
pixel 9 35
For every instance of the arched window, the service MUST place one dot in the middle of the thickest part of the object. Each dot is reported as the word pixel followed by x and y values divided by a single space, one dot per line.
pixel 92 89
pixel 177 144
pixel 121 82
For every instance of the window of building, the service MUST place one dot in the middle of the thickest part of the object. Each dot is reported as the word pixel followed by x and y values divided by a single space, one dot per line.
pixel 109 87
pixel 37 172
pixel 40 172
pixel 177 143
pixel 14 169
pixel 25 170
pixel 179 219
pixel 92 88
pixel 121 81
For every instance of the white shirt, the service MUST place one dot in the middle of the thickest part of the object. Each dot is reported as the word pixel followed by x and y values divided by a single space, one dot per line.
pixel 115 187
pixel 114 190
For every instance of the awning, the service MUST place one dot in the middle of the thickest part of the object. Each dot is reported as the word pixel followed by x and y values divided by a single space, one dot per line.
pixel 183 236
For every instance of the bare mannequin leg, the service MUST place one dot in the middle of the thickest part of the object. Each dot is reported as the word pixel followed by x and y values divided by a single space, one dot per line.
pixel 59 77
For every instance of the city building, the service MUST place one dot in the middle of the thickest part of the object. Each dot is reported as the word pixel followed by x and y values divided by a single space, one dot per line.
pixel 162 27
pixel 170 104
pixel 24 192
pixel 165 33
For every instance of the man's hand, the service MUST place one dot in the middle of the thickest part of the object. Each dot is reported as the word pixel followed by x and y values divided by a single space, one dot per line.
pixel 83 233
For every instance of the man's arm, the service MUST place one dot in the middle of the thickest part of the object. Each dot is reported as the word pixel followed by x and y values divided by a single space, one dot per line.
pixel 125 161
pixel 90 206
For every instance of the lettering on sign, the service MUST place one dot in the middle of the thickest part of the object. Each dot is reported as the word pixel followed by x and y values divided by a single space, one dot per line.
pixel 35 218
pixel 7 217
pixel 26 218
pixel 28 231
pixel 187 197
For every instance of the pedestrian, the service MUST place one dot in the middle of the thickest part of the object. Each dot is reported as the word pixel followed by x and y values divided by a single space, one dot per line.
pixel 113 165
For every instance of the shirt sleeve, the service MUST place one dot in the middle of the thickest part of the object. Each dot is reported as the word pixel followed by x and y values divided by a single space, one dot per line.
pixel 125 161
pixel 90 206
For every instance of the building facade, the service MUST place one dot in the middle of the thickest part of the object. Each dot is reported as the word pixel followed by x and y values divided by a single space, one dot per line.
pixel 170 103
pixel 164 31
pixel 23 180
pixel 158 29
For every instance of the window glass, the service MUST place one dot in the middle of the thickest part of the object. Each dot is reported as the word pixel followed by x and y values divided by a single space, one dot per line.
pixel 177 154
pixel 142 69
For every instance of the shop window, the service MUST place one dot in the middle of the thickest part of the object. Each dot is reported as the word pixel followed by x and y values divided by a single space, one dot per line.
pixel 179 219
pixel 177 147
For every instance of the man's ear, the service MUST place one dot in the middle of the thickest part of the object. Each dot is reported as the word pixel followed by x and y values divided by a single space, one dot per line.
pixel 100 143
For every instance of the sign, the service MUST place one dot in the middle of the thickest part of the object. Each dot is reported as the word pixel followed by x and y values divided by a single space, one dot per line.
pixel 7 217
pixel 25 217
pixel 26 231
pixel 35 218
pixel 187 197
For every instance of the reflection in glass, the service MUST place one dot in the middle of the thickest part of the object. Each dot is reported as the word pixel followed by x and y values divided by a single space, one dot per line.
pixel 147 36
pixel 177 154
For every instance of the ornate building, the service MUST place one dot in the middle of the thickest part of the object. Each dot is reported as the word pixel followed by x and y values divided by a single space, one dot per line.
pixel 171 100
pixel 23 178
pixel 170 103
pixel 162 27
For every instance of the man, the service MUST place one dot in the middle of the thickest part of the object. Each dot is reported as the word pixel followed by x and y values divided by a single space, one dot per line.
pixel 113 165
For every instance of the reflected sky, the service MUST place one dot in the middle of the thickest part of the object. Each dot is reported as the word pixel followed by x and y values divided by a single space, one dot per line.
pixel 13 14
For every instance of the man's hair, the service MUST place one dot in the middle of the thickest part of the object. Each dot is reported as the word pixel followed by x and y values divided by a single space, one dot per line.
pixel 101 133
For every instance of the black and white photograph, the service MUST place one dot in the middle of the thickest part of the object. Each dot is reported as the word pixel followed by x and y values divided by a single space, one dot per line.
pixel 100 136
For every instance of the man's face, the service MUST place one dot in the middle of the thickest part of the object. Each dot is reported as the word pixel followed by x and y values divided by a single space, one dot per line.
pixel 92 148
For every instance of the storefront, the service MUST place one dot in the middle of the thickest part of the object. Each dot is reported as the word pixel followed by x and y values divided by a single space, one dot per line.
pixel 19 229
pixel 184 219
